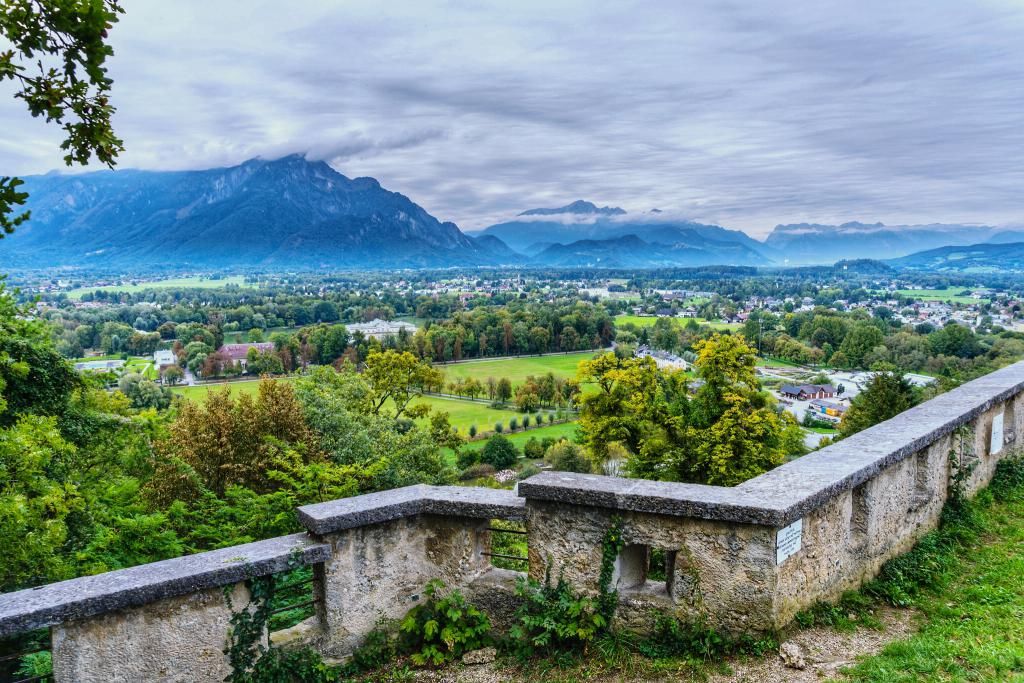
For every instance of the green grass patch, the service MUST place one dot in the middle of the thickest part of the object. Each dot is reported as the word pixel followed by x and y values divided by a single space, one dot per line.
pixel 563 430
pixel 966 580
pixel 516 369
pixel 171 283
pixel 945 294
pixel 462 414
pixel 649 320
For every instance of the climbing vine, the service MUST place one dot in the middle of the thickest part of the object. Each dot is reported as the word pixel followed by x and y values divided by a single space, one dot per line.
pixel 611 546
pixel 251 657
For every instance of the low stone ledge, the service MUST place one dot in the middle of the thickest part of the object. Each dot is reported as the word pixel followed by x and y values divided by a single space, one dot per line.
pixel 656 497
pixel 89 596
pixel 387 506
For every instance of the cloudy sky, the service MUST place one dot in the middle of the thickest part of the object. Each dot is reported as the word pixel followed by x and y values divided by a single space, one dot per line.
pixel 742 113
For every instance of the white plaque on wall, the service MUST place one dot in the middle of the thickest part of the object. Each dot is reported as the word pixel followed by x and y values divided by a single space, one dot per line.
pixel 996 444
pixel 788 540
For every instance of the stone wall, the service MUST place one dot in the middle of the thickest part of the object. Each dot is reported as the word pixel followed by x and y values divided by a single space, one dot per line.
pixel 745 558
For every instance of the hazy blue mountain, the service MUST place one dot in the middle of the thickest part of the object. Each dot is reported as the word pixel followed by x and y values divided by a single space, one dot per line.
pixel 288 212
pixel 578 207
pixel 585 221
pixel 973 257
pixel 632 251
pixel 816 243
pixel 1007 236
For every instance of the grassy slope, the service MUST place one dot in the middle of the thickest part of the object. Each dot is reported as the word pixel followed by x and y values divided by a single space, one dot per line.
pixel 973 628
pixel 181 282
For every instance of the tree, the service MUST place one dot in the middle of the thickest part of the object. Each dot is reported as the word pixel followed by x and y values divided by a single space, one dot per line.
pixel 503 391
pixel 954 340
pixel 72 89
pixel 499 453
pixel 887 395
pixel 527 400
pixel 144 393
pixel 859 342
pixel 398 377
pixel 173 374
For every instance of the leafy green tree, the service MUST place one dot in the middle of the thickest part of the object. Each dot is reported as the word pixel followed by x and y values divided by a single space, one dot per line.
pixel 503 390
pixel 954 340
pixel 887 395
pixel 144 393
pixel 499 453
pixel 859 342
pixel 72 88
pixel 35 505
pixel 398 377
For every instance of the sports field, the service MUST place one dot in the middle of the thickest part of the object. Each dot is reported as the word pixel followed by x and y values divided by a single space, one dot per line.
pixel 517 369
pixel 171 283
pixel 649 320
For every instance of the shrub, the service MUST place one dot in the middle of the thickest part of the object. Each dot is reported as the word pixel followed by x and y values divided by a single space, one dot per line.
pixel 528 470
pixel 477 471
pixel 526 421
pixel 566 456
pixel 443 627
pixel 498 428
pixel 534 449
pixel 467 457
pixel 472 431
pixel 553 617
pixel 551 418
pixel 499 452
pixel 513 424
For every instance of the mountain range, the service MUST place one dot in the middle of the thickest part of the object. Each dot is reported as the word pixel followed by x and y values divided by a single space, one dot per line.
pixel 296 213
pixel 287 212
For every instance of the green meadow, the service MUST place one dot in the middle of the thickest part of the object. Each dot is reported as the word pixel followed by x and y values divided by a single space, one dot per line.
pixel 946 294
pixel 649 320
pixel 462 414
pixel 171 283
pixel 516 369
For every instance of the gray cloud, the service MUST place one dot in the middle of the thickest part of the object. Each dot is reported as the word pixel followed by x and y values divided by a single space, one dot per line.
pixel 744 114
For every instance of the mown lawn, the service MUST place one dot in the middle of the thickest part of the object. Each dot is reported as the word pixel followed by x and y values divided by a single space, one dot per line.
pixel 462 414
pixel 517 369
pixel 171 283
pixel 564 430
pixel 973 626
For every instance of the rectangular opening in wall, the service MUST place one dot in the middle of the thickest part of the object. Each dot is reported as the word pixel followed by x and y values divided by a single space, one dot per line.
pixel 631 567
pixel 645 569
pixel 922 481
pixel 859 517
pixel 996 440
pixel 294 599
pixel 508 545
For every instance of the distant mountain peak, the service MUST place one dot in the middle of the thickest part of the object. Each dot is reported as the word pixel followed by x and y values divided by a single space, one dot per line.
pixel 290 212
pixel 579 206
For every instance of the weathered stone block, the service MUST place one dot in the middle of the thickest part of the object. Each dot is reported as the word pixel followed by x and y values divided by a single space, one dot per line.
pixel 176 640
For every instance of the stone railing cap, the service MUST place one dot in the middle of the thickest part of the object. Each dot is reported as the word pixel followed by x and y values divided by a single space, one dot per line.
pixel 786 493
pixel 386 506
pixel 89 596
